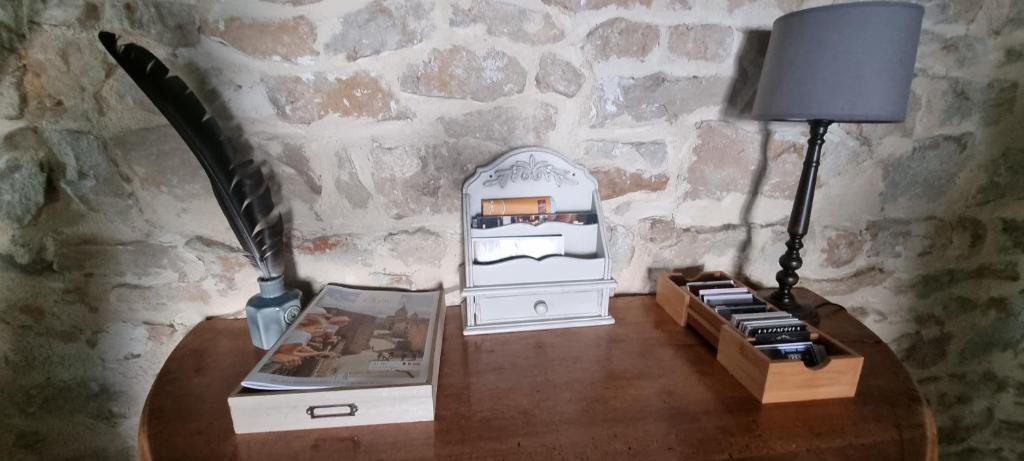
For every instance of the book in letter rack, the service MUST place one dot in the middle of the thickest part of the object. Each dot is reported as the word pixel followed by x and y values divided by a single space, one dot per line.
pixel 570 289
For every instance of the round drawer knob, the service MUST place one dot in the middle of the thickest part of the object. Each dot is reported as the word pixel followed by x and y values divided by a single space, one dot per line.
pixel 540 307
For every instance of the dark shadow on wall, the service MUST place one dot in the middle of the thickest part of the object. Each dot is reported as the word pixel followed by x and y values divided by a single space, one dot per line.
pixel 738 105
pixel 739 101
pixel 14 29
pixel 64 381
pixel 61 399
pixel 965 281
pixel 760 171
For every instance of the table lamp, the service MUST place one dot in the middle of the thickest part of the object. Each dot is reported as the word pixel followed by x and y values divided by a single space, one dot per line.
pixel 840 63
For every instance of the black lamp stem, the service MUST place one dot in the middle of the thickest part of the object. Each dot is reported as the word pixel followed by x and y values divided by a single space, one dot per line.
pixel 798 223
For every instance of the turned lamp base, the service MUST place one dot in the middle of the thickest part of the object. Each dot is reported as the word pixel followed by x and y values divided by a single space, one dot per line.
pixel 803 312
pixel 799 220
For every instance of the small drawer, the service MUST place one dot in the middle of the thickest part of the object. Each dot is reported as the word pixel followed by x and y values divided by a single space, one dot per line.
pixel 537 306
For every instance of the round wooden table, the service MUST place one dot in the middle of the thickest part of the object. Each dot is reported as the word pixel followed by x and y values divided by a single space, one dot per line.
pixel 643 388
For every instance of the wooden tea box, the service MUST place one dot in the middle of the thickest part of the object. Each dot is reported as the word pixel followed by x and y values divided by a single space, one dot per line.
pixel 770 381
pixel 686 308
pixel 773 381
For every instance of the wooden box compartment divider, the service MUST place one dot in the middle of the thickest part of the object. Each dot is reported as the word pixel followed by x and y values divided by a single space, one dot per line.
pixel 770 381
pixel 686 308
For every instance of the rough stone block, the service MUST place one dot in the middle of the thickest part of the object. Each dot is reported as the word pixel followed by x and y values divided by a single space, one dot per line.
pixel 620 247
pixel 923 350
pixel 842 248
pixel 557 75
pixel 62 73
pixel 139 263
pixel 833 288
pixel 298 178
pixel 69 13
pixel 416 247
pixel 955 102
pixel 293 39
pixel 293 156
pixel 89 176
pixel 347 182
pixel 1013 235
pixel 306 100
pixel 505 127
pixel 319 246
pixel 928 171
pixel 657 96
pixel 574 6
pixel 1000 17
pixel 22 187
pixel 622 38
pixel 951 12
pixel 171 23
pixel 616 182
pixel 383 25
pixel 652 154
pixel 960 238
pixel 426 179
pixel 508 20
pixel 119 97
pixel 988 341
pixel 702 42
pixel 12 100
pixel 459 72
pixel 954 55
pixel 728 159
pixel 162 163
pixel 674 246
pixel 405 182
pixel 294 2
pixel 679 4
pixel 26 253
pixel 927 284
pixel 1002 173
pixel 1012 55
pixel 784 6
pixel 999 100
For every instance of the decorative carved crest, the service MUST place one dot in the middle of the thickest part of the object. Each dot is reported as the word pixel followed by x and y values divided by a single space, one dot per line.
pixel 530 171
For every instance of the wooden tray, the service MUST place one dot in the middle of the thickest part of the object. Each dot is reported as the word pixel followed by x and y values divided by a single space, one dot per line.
pixel 288 410
pixel 686 308
pixel 770 381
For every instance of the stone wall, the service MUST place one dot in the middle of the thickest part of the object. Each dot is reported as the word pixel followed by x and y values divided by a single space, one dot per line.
pixel 370 114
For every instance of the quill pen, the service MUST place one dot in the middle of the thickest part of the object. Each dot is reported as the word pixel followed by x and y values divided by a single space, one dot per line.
pixel 238 184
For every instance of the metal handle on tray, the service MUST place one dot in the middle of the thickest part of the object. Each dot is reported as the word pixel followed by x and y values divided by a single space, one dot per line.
pixel 352 409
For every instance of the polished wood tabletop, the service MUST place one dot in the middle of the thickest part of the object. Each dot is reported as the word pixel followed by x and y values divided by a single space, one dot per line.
pixel 643 388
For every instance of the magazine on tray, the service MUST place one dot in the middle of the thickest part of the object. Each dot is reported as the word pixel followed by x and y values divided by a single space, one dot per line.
pixel 351 337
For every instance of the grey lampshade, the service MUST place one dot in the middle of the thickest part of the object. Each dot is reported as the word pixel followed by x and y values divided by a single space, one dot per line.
pixel 846 63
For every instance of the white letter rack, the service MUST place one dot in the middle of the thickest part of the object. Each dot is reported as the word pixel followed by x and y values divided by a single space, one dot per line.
pixel 524 293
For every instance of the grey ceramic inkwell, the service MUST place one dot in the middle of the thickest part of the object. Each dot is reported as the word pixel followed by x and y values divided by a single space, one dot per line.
pixel 271 311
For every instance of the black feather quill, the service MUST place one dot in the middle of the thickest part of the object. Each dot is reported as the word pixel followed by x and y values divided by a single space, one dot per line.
pixel 238 184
